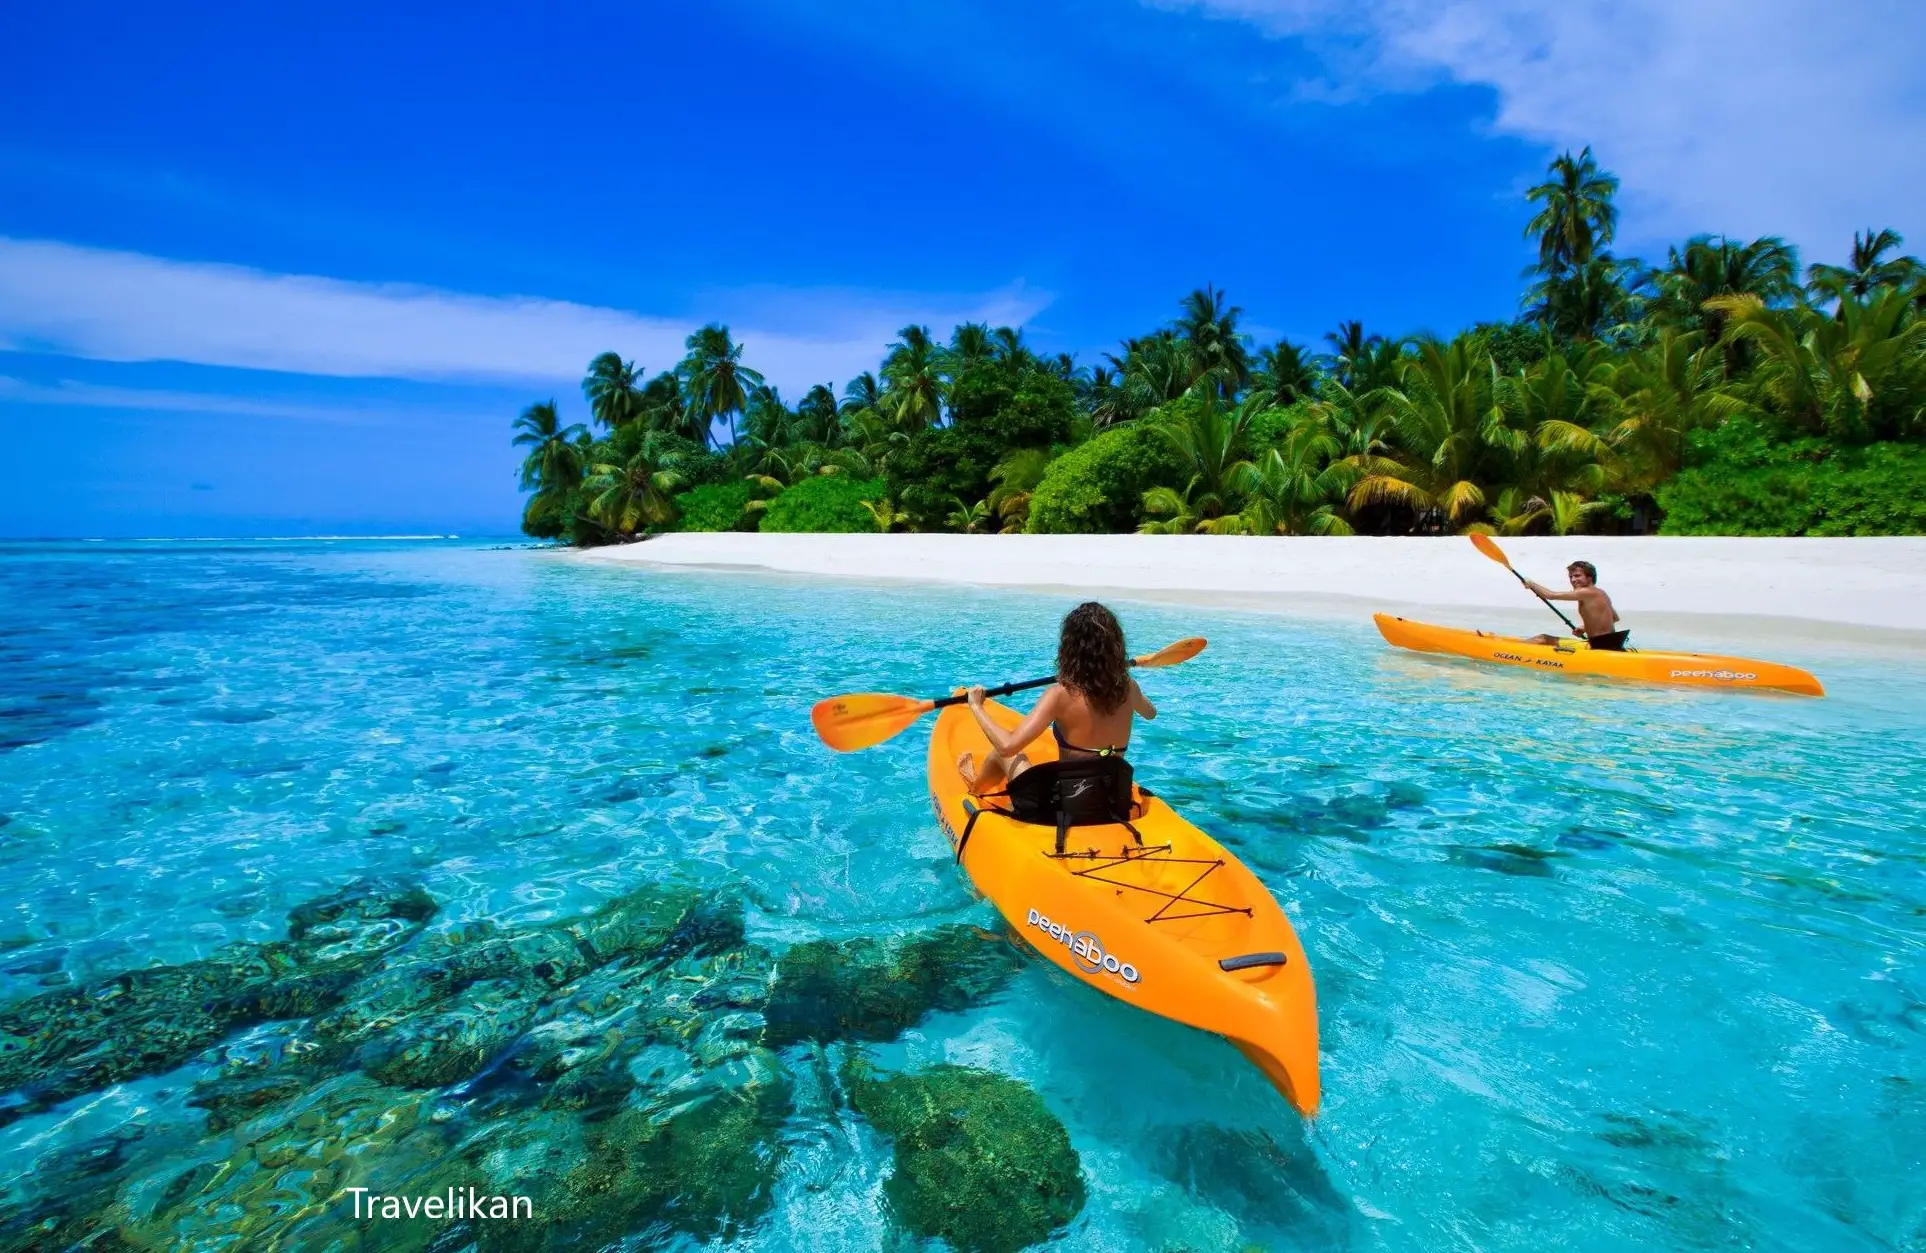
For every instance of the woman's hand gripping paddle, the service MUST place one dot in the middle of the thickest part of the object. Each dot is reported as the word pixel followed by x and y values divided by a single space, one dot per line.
pixel 1489 547
pixel 860 719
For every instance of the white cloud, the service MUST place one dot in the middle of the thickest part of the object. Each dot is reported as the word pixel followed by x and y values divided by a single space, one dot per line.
pixel 1801 118
pixel 121 306
pixel 162 400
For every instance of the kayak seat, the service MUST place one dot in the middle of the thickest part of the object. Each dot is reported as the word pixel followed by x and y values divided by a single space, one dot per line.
pixel 1079 792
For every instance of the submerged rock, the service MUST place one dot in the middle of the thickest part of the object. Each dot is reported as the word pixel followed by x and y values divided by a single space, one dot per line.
pixel 871 989
pixel 433 1050
pixel 1259 1180
pixel 289 1184
pixel 980 1162
pixel 365 917
pixel 658 921
pixel 705 1167
pixel 74 1187
pixel 62 1044
pixel 1520 860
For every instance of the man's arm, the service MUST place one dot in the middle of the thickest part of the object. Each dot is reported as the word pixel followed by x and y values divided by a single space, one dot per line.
pixel 1548 594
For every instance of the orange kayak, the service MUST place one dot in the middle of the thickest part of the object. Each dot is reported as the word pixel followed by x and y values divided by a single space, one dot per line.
pixel 1576 657
pixel 1175 925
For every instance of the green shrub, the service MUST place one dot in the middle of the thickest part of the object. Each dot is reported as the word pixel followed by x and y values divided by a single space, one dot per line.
pixel 1099 486
pixel 1269 427
pixel 699 465
pixel 939 467
pixel 1017 406
pixel 716 507
pixel 824 503
pixel 1741 479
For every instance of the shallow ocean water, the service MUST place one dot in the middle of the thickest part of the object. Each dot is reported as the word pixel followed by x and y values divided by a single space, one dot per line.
pixel 1597 965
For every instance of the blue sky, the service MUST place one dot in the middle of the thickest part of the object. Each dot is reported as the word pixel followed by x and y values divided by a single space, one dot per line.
pixel 275 271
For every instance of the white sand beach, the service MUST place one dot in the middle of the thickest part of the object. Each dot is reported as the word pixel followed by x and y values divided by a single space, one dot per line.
pixel 1692 592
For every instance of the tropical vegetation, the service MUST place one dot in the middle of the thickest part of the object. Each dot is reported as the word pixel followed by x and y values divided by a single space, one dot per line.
pixel 1723 391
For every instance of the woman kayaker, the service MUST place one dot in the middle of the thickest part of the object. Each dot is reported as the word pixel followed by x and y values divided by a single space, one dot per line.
pixel 1089 708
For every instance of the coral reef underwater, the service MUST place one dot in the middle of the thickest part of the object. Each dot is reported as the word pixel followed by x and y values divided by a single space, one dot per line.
pixel 628 1071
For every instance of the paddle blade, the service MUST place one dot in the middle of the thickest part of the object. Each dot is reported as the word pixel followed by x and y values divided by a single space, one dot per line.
pixel 860 719
pixel 1171 654
pixel 1489 547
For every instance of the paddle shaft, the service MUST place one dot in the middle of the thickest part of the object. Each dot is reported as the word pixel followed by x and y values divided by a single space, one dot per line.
pixel 1554 608
pixel 1005 690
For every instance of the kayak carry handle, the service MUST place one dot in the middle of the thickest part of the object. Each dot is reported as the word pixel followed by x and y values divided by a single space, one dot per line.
pixel 1249 960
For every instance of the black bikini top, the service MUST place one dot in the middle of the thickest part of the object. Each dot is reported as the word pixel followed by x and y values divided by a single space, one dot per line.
pixel 1109 750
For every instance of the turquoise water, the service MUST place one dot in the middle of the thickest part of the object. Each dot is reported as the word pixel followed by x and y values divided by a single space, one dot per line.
pixel 1596 965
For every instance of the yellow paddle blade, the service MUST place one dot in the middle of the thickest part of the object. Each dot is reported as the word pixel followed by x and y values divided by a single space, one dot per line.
pixel 1489 547
pixel 1171 654
pixel 860 719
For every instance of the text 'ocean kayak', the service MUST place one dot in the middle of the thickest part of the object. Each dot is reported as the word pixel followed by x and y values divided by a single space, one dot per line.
pixel 1576 657
pixel 1175 925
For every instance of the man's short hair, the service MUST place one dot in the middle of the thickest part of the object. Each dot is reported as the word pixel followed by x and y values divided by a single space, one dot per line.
pixel 1591 571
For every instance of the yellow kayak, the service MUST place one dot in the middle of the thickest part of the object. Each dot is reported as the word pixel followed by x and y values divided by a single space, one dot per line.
pixel 1174 925
pixel 1576 657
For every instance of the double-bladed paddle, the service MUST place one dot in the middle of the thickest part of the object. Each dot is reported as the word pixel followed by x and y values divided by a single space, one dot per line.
pixel 1489 547
pixel 860 719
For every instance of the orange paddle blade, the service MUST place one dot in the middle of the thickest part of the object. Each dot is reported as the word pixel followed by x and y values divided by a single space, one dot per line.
pixel 1489 547
pixel 1171 654
pixel 860 719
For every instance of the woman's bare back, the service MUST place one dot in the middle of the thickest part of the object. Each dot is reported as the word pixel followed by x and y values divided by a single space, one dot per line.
pixel 1080 726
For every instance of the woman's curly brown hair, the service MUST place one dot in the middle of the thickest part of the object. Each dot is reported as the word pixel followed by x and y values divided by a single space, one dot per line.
pixel 1090 657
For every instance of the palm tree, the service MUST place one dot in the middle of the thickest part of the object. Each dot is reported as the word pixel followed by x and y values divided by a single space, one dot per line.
pixel 1440 412
pixel 1209 324
pixel 613 388
pixel 1663 392
pixel 626 496
pixel 970 344
pixel 1110 396
pixel 1299 487
pixel 1016 478
pixel 553 462
pixel 888 518
pixel 1161 364
pixel 770 422
pixel 719 384
pixel 1212 441
pixel 1359 361
pixel 1544 438
pixel 818 417
pixel 1576 217
pixel 1010 346
pixel 1571 511
pixel 1584 301
pixel 1286 373
pixel 863 392
pixel 969 519
pixel 1859 374
pixel 1767 268
pixel 913 380
pixel 665 407
pixel 1866 270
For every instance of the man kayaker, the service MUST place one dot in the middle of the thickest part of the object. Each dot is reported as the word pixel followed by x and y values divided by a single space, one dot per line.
pixel 1089 707
pixel 1595 611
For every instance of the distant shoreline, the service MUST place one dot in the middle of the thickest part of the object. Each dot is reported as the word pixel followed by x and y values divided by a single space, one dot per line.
pixel 1849 590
